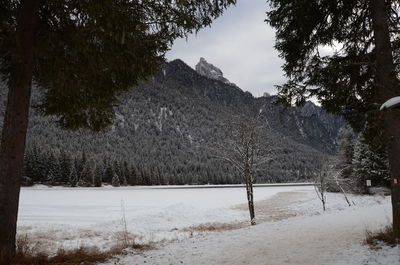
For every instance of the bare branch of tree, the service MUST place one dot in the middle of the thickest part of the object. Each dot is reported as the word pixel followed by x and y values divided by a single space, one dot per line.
pixel 242 151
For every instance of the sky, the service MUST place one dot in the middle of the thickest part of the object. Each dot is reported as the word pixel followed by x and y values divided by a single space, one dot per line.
pixel 241 44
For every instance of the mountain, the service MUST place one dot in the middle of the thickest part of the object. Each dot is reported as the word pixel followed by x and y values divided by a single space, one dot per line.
pixel 208 70
pixel 167 129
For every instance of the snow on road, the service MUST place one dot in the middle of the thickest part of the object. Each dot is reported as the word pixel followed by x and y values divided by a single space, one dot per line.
pixel 331 238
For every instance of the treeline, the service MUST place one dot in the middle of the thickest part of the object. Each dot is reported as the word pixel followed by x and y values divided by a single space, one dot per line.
pixel 61 168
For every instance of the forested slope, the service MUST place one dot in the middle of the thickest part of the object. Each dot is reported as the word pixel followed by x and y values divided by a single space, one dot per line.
pixel 166 130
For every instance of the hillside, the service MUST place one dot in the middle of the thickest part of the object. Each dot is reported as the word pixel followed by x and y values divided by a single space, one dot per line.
pixel 166 130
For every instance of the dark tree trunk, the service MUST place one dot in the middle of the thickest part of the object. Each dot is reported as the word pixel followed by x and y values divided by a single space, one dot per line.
pixel 15 128
pixel 388 87
pixel 250 200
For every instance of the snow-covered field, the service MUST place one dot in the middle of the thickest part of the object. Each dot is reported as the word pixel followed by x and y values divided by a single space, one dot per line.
pixel 69 217
pixel 292 228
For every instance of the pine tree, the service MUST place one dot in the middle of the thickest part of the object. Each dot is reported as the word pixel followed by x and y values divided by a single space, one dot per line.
pixel 82 55
pixel 368 165
pixel 53 175
pixel 360 162
pixel 87 175
pixel 32 164
pixel 65 167
pixel 119 170
pixel 108 174
pixel 125 173
pixel 123 180
pixel 345 152
pixel 42 166
pixel 115 181
pixel 73 177
pixel 132 179
pixel 80 163
pixel 353 82
pixel 98 175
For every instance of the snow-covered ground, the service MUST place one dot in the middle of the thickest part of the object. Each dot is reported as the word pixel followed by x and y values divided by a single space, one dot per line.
pixel 69 217
pixel 332 238
pixel 292 228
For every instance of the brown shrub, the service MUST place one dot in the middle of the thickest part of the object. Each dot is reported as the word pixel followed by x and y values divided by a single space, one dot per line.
pixel 25 247
pixel 386 236
pixel 26 254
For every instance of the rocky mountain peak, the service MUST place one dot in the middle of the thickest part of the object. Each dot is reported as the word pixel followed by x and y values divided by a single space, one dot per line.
pixel 208 70
pixel 309 109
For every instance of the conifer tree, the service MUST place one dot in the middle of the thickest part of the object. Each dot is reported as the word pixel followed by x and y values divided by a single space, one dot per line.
pixel 369 165
pixel 123 180
pixel 108 174
pixel 80 163
pixel 31 162
pixel 73 177
pixel 132 179
pixel 115 180
pixel 98 175
pixel 360 162
pixel 53 175
pixel 65 167
pixel 345 152
pixel 87 175
pixel 355 80
pixel 82 54
pixel 125 173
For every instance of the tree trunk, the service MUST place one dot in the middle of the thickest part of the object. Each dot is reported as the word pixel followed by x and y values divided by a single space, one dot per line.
pixel 15 128
pixel 250 200
pixel 388 87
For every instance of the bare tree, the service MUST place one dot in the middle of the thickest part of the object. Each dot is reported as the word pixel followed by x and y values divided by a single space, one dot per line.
pixel 338 181
pixel 242 151
pixel 341 184
pixel 321 182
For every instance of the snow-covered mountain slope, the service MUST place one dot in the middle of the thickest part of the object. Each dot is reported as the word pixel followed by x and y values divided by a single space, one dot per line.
pixel 170 125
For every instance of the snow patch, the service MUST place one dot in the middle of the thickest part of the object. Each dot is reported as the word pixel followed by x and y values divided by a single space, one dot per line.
pixel 391 103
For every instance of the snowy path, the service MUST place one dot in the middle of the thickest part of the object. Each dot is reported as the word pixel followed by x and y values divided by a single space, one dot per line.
pixel 330 238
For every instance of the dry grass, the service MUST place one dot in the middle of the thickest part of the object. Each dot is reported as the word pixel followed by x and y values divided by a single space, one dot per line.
pixel 27 253
pixel 77 256
pixel 213 227
pixel 385 236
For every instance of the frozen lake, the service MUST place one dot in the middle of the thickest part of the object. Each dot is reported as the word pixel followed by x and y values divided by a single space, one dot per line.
pixel 70 217
pixel 174 205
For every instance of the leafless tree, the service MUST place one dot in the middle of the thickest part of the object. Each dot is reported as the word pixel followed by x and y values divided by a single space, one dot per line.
pixel 321 182
pixel 339 179
pixel 242 151
pixel 336 177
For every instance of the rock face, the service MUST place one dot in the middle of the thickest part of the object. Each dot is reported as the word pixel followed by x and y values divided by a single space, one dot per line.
pixel 309 109
pixel 208 70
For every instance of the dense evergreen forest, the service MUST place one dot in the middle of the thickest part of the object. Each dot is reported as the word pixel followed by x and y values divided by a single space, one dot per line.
pixel 166 131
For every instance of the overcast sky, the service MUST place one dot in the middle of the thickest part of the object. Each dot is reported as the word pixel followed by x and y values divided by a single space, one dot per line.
pixel 241 44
